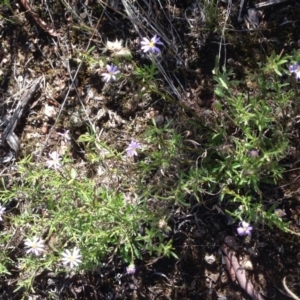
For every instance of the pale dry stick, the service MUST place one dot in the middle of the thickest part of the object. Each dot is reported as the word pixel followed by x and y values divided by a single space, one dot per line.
pixel 268 3
pixel 71 11
pixel 21 84
pixel 104 4
pixel 172 27
pixel 294 296
pixel 49 12
pixel 69 90
pixel 240 16
pixel 76 16
pixel 78 95
pixel 238 273
pixel 15 77
pixel 8 134
pixel 223 41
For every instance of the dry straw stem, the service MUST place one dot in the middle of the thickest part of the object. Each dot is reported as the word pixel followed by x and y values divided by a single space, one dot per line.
pixel 288 290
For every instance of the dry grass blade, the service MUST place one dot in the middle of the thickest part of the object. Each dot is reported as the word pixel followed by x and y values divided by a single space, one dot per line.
pixel 154 19
pixel 291 294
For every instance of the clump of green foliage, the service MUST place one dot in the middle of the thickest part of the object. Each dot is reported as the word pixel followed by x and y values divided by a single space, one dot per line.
pixel 248 141
pixel 66 210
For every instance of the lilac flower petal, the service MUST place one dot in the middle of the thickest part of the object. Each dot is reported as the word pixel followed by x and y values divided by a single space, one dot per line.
pixel 112 71
pixel 244 229
pixel 55 161
pixel 156 40
pixel 2 209
pixel 131 269
pixel 241 231
pixel 145 41
pixel 36 246
pixel 131 149
pixel 280 212
pixel 295 68
pixel 155 50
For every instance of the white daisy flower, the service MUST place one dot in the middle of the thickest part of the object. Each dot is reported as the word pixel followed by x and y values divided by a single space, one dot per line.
pixel 2 209
pixel 73 259
pixel 36 246
pixel 54 162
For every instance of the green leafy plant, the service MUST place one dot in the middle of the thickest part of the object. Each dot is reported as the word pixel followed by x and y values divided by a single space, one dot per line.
pixel 249 142
pixel 66 210
pixel 146 73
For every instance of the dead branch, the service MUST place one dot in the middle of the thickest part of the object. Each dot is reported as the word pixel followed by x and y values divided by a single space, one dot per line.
pixel 237 272
pixel 8 134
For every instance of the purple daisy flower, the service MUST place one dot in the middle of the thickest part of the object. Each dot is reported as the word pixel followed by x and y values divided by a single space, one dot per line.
pixel 244 229
pixel 131 269
pixel 150 45
pixel 295 68
pixel 131 149
pixel 112 72
pixel 253 153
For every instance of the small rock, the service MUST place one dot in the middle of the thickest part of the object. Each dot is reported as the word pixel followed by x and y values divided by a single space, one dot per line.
pixel 159 120
pixel 49 111
pixel 210 259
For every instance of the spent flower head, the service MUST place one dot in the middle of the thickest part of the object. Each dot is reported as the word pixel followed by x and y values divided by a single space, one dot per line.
pixel 114 46
pixel 295 68
pixel 280 212
pixel 244 229
pixel 131 269
pixel 253 153
pixel 54 161
pixel 131 149
pixel 117 48
pixel 2 209
pixel 73 259
pixel 150 45
pixel 35 246
pixel 112 72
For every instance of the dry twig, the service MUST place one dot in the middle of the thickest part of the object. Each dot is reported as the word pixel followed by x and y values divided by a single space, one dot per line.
pixel 8 134
pixel 294 296
pixel 238 273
